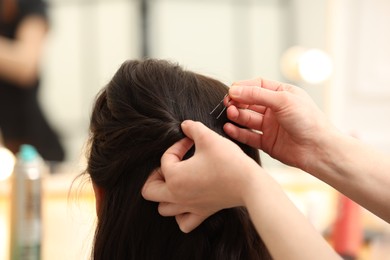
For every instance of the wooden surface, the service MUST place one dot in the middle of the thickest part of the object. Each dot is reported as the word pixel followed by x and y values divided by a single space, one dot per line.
pixel 68 217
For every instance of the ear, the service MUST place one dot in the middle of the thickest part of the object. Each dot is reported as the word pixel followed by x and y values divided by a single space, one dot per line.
pixel 99 194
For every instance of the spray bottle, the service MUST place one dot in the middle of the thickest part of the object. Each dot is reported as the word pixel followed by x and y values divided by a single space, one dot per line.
pixel 26 205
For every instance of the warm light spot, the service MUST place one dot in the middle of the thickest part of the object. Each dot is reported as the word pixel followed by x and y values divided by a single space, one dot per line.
pixel 7 162
pixel 308 65
pixel 314 66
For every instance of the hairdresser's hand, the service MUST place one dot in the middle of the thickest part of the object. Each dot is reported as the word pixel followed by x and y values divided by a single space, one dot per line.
pixel 216 177
pixel 290 127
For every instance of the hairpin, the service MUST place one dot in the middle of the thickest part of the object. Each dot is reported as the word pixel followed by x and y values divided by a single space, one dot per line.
pixel 215 108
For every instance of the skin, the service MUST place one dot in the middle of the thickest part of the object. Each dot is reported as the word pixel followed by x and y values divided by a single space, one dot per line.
pixel 19 58
pixel 286 124
pixel 297 133
pixel 219 186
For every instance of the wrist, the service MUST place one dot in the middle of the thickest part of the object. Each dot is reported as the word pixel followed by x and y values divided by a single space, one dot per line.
pixel 252 187
pixel 327 153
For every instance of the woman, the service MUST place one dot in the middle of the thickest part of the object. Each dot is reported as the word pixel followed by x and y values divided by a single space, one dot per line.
pixel 23 28
pixel 136 117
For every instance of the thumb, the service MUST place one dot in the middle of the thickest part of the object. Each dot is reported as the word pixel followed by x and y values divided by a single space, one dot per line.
pixel 176 152
pixel 196 131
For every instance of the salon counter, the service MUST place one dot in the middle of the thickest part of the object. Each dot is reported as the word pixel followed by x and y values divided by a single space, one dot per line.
pixel 69 216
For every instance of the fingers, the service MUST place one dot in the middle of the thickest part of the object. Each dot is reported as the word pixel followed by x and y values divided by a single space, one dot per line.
pixel 249 82
pixel 197 131
pixel 256 108
pixel 252 95
pixel 263 83
pixel 244 136
pixel 267 93
pixel 170 209
pixel 155 188
pixel 194 129
pixel 188 222
pixel 245 118
pixel 176 152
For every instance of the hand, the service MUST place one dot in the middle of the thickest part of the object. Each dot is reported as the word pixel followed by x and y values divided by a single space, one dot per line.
pixel 198 187
pixel 290 127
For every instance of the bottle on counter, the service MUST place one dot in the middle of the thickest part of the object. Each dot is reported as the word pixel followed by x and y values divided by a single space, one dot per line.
pixel 26 197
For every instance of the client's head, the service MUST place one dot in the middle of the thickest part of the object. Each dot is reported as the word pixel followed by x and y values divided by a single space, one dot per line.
pixel 136 117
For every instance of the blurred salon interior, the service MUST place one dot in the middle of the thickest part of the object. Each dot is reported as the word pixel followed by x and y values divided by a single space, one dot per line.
pixel 336 50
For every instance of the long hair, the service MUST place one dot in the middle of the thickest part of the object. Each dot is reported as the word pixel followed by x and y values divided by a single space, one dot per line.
pixel 136 117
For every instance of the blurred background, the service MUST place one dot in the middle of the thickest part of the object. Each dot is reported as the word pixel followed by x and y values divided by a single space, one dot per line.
pixel 227 39
pixel 338 51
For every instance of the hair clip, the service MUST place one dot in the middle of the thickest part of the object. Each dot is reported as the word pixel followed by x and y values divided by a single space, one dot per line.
pixel 215 108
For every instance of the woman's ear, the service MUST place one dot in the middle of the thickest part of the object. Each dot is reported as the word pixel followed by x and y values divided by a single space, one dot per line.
pixel 99 193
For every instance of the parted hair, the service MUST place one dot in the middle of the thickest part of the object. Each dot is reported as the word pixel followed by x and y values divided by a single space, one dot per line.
pixel 135 118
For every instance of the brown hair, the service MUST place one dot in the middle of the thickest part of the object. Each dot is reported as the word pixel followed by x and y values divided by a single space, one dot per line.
pixel 136 117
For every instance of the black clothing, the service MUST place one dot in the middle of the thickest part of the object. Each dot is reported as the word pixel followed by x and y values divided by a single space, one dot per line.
pixel 21 118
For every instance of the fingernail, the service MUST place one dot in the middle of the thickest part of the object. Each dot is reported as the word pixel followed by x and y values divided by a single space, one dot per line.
pixel 185 122
pixel 235 91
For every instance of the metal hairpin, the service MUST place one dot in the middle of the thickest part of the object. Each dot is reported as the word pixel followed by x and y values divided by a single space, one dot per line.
pixel 215 108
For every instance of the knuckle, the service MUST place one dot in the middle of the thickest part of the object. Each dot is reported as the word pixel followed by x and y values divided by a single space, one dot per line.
pixel 175 185
pixel 259 81
pixel 285 97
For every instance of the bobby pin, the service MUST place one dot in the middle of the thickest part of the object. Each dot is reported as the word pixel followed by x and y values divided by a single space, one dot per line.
pixel 224 108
